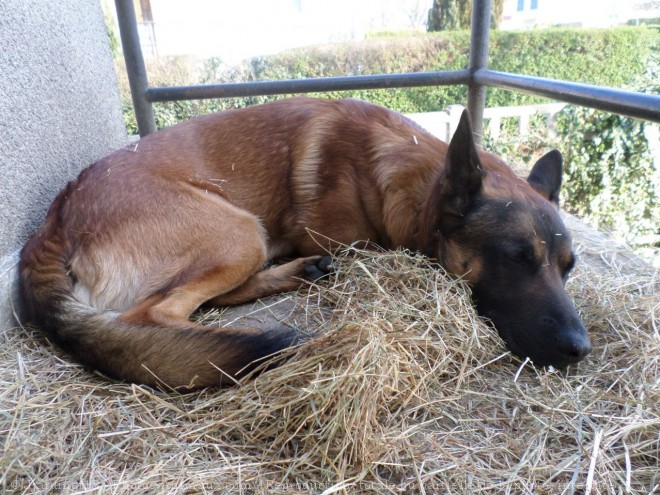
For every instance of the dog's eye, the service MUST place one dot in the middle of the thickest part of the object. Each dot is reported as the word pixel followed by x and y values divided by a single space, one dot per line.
pixel 522 255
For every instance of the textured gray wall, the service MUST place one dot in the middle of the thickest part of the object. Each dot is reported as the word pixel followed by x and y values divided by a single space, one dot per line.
pixel 59 111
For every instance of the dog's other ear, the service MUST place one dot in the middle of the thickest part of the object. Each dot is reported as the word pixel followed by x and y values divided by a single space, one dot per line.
pixel 463 174
pixel 546 174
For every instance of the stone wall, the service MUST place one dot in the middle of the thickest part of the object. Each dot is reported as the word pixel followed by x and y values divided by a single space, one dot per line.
pixel 59 111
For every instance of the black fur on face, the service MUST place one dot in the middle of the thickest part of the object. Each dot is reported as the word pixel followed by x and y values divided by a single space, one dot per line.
pixel 517 261
pixel 504 236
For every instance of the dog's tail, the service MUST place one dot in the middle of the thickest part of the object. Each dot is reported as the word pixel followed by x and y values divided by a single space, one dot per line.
pixel 168 357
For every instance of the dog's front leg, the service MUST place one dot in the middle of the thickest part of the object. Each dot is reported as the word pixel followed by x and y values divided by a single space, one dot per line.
pixel 274 280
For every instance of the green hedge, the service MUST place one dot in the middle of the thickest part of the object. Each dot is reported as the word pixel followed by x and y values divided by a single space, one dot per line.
pixel 612 178
pixel 607 57
pixel 611 57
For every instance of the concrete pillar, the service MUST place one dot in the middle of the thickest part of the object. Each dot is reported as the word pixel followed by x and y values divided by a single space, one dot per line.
pixel 59 111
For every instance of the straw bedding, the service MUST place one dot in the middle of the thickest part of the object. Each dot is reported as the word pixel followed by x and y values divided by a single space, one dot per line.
pixel 403 390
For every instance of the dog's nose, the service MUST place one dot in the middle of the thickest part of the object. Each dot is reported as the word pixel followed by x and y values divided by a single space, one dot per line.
pixel 573 346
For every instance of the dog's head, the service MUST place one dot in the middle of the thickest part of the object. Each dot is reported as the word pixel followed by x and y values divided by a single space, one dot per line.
pixel 505 237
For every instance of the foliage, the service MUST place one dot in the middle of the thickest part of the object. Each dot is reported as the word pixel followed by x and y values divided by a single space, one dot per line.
pixel 604 57
pixel 113 38
pixel 612 165
pixel 448 15
pixel 612 179
pixel 609 57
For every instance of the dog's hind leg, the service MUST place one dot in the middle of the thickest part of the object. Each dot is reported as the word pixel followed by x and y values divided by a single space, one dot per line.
pixel 181 353
pixel 214 273
pixel 184 354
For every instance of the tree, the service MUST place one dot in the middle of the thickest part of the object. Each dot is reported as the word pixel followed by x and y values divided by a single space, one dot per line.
pixel 447 15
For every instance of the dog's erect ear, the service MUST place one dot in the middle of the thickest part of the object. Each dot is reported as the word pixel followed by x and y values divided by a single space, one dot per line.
pixel 545 176
pixel 463 174
pixel 454 191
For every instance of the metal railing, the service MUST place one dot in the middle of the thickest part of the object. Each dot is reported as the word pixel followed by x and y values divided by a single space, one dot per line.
pixel 476 76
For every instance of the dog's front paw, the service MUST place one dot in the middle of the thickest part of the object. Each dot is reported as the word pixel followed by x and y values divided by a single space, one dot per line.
pixel 316 267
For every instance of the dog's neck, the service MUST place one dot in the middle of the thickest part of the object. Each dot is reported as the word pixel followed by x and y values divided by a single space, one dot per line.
pixel 406 184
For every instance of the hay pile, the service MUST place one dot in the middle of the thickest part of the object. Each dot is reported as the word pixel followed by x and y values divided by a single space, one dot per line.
pixel 405 391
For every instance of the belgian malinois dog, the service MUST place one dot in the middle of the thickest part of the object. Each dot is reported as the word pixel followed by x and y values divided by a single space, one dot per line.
pixel 193 214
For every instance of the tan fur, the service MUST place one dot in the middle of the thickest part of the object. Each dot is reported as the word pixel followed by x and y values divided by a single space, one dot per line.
pixel 190 215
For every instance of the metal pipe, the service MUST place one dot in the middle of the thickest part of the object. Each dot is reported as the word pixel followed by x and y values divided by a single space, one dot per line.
pixel 639 105
pixel 477 77
pixel 479 40
pixel 289 86
pixel 137 73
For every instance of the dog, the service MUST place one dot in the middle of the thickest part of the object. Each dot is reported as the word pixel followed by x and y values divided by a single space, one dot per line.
pixel 192 215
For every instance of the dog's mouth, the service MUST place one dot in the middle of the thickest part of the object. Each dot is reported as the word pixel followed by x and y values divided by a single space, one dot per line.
pixel 512 345
pixel 534 355
pixel 559 351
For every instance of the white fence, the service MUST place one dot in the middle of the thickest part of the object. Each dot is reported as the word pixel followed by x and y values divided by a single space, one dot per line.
pixel 443 124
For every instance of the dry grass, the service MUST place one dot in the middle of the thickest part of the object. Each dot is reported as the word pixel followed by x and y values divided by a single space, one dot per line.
pixel 405 391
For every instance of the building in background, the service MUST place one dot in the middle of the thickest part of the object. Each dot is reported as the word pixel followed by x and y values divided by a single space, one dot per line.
pixel 531 14
pixel 237 29
pixel 146 28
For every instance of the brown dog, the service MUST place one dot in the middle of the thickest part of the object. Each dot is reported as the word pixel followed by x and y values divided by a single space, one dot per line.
pixel 190 216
